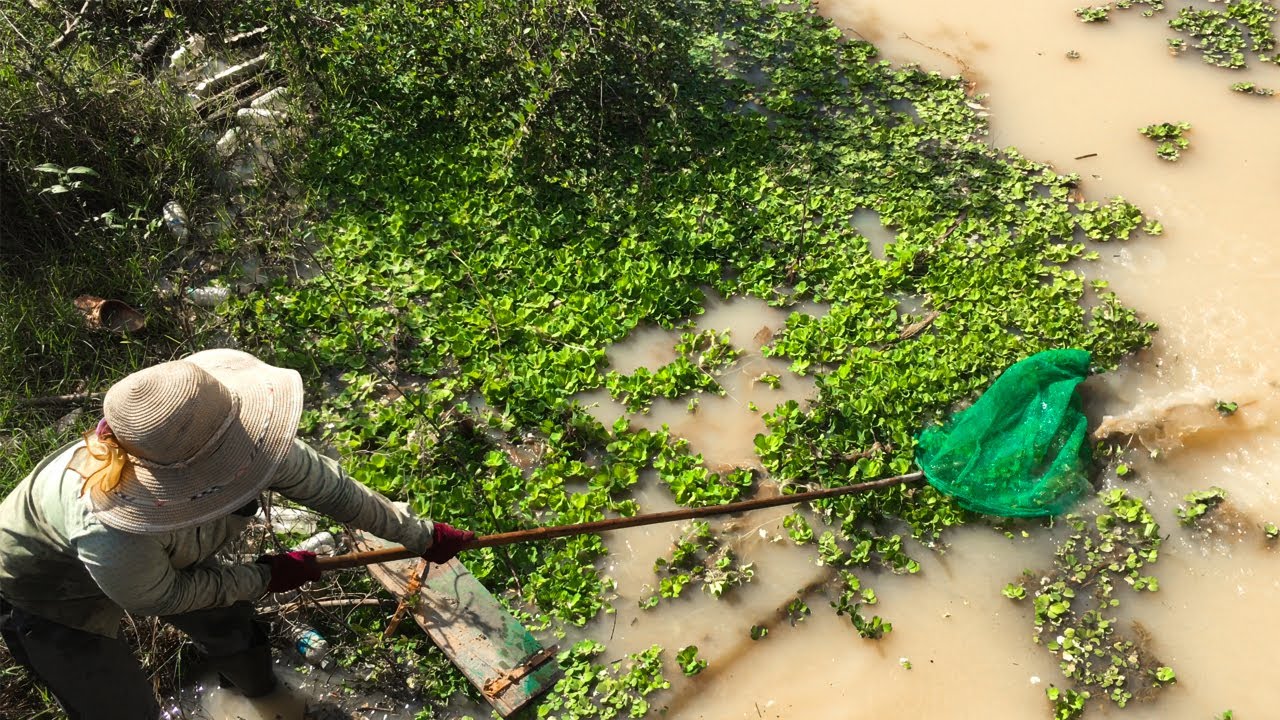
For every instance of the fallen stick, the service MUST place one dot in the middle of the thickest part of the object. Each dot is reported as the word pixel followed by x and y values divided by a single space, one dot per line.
pixel 331 603
pixel 73 27
pixel 69 399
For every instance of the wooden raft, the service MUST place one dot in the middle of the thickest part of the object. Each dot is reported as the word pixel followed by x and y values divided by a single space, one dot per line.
pixel 498 655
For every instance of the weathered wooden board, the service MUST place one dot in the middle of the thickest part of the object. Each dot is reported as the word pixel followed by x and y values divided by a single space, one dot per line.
pixel 496 653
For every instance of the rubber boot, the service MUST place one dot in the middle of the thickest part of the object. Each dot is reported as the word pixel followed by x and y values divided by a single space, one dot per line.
pixel 248 671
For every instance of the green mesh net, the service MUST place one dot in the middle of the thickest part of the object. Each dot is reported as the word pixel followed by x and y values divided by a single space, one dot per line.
pixel 1020 450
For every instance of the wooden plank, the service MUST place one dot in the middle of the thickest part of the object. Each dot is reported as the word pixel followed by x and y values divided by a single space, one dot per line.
pixel 500 657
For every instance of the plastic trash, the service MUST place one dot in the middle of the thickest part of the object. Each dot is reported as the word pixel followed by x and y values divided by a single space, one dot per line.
pixel 106 314
pixel 191 49
pixel 259 117
pixel 228 143
pixel 175 219
pixel 322 543
pixel 271 100
pixel 312 646
pixel 229 76
pixel 210 296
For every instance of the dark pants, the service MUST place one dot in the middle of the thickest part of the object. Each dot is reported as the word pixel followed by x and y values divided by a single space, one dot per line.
pixel 95 677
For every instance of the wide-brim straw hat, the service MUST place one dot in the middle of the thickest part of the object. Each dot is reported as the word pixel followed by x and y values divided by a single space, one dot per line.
pixel 204 436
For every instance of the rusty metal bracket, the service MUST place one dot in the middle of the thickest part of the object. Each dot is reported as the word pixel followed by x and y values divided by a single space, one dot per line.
pixel 496 686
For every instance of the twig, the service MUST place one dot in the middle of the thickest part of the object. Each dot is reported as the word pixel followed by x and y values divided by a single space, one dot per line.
pixel 70 399
pixel 328 603
pixel 964 66
pixel 410 595
pixel 72 28
pixel 918 327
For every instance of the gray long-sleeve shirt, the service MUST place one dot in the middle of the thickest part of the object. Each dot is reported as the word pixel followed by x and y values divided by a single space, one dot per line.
pixel 58 561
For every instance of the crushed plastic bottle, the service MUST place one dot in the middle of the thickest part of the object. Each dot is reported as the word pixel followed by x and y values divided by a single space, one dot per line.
pixel 175 219
pixel 259 116
pixel 210 296
pixel 312 646
pixel 181 58
pixel 229 143
pixel 273 99
pixel 322 543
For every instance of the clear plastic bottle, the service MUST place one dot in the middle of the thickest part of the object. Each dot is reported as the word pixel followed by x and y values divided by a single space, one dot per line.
pixel 322 543
pixel 312 646
pixel 175 218
pixel 210 296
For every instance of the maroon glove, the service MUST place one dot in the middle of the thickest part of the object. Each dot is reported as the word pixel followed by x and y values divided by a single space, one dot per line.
pixel 448 541
pixel 291 570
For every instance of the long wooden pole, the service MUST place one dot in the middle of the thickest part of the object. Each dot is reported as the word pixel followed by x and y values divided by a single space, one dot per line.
pixel 373 557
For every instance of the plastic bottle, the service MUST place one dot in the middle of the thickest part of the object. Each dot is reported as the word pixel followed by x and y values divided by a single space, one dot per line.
pixel 175 219
pixel 322 543
pixel 209 296
pixel 312 646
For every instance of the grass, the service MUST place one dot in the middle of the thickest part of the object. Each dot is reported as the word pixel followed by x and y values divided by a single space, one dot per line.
pixel 90 104
pixel 85 106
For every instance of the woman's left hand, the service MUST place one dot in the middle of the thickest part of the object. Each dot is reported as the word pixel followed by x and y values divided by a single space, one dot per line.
pixel 448 542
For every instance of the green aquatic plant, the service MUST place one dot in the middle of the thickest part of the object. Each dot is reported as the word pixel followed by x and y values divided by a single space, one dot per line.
pixel 700 557
pixel 1075 604
pixel 1094 13
pixel 699 358
pixel 1198 504
pixel 1169 137
pixel 1101 13
pixel 1220 41
pixel 1014 591
pixel 798 529
pixel 588 691
pixel 689 662
pixel 797 610
pixel 1249 88
pixel 1151 7
pixel 851 601
pixel 1227 37
pixel 1067 703
pixel 769 379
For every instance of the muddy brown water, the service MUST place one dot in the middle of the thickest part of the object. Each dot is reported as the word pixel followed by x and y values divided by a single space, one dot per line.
pixel 1211 282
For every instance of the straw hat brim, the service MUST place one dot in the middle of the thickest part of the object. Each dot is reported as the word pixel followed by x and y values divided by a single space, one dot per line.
pixel 150 499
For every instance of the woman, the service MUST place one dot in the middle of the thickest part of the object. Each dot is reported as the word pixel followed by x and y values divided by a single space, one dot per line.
pixel 129 520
